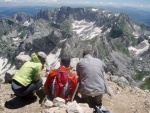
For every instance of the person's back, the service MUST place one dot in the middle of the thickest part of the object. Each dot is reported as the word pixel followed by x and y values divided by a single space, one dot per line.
pixel 92 84
pixel 27 79
pixel 90 71
pixel 64 67
pixel 29 72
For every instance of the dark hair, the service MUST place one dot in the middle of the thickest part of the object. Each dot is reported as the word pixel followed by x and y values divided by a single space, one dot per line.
pixel 85 52
pixel 65 61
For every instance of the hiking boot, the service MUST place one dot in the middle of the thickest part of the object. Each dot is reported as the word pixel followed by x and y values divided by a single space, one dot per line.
pixel 29 98
pixel 12 95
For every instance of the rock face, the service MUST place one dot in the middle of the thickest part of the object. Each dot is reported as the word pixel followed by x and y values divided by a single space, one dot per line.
pixel 22 18
pixel 8 76
pixel 116 39
pixel 20 60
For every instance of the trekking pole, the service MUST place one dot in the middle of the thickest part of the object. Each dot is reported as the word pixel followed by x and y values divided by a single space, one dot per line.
pixel 44 100
pixel 75 92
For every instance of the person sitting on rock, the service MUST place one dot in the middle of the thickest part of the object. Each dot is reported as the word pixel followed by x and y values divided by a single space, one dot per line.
pixel 92 84
pixel 61 82
pixel 27 79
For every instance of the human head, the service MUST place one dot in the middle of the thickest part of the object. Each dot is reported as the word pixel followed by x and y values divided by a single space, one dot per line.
pixel 42 57
pixel 87 51
pixel 65 61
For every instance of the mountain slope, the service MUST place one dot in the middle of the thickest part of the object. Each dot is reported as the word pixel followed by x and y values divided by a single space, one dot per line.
pixel 113 37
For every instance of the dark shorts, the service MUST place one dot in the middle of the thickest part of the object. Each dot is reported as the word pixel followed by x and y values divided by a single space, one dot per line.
pixel 20 90
pixel 92 101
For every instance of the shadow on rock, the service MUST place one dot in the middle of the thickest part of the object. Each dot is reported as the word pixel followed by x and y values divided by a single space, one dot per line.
pixel 18 102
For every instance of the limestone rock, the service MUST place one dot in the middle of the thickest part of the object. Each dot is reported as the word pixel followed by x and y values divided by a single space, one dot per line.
pixel 58 102
pixel 20 60
pixel 8 76
pixel 73 107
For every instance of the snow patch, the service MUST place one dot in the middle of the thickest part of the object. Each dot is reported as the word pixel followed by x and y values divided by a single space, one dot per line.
pixel 53 59
pixel 86 30
pixel 15 39
pixel 104 11
pixel 27 23
pixel 109 15
pixel 116 14
pixel 78 26
pixel 63 40
pixel 139 51
pixel 136 27
pixel 94 9
pixel 3 65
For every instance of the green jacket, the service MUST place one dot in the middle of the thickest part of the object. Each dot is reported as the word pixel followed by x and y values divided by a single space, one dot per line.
pixel 29 72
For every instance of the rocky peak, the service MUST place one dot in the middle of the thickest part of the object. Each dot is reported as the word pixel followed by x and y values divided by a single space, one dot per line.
pixel 113 37
pixel 23 18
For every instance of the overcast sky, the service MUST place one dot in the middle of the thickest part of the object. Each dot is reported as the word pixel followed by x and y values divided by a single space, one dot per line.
pixel 131 3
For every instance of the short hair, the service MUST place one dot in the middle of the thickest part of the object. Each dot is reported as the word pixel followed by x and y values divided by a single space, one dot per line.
pixel 87 51
pixel 42 57
pixel 65 61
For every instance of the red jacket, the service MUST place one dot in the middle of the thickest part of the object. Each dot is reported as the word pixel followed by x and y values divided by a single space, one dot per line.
pixel 52 73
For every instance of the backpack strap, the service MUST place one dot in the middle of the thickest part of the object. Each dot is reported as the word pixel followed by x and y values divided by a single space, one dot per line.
pixel 69 73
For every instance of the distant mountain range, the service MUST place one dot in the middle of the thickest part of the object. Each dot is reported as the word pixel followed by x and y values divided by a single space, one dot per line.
pixel 118 40
pixel 10 11
pixel 140 16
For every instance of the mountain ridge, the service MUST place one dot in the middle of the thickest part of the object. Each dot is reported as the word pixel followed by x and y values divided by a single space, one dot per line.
pixel 113 37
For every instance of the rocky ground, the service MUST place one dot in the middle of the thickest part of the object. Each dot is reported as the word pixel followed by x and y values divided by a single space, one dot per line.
pixel 124 100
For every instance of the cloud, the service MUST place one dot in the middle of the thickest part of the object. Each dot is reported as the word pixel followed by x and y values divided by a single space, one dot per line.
pixel 28 1
pixel 7 0
pixel 114 4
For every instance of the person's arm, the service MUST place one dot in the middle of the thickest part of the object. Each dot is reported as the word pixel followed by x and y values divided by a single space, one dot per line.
pixel 36 72
pixel 106 86
pixel 73 84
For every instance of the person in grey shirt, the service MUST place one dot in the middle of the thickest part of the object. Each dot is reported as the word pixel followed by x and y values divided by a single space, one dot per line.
pixel 92 84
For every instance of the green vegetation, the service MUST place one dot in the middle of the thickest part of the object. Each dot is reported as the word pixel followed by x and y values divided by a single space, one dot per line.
pixel 122 49
pixel 1 32
pixel 54 25
pixel 20 30
pixel 140 74
pixel 103 52
pixel 116 32
pixel 91 41
pixel 10 22
pixel 146 84
pixel 65 27
pixel 131 37
pixel 6 32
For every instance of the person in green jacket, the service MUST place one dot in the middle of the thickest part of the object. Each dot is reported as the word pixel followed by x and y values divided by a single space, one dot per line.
pixel 27 79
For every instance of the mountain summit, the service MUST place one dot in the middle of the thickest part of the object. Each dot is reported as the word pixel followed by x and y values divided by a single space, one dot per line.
pixel 113 37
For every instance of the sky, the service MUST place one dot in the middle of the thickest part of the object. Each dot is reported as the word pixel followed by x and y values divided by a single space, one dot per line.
pixel 130 3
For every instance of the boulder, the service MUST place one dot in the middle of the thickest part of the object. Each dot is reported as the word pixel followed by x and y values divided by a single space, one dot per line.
pixel 47 104
pixel 58 102
pixel 86 108
pixel 20 60
pixel 73 107
pixel 8 76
